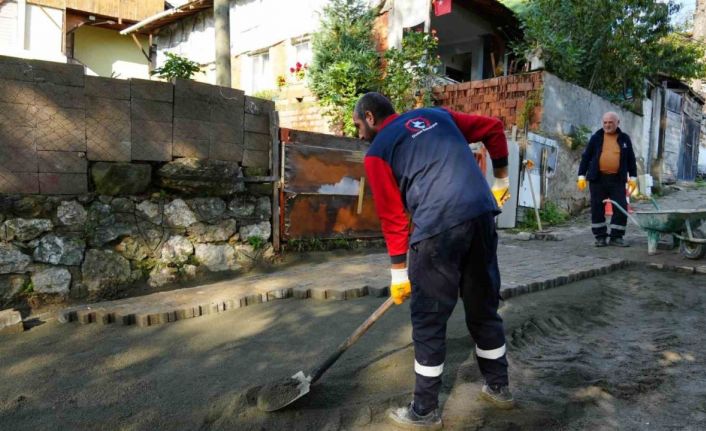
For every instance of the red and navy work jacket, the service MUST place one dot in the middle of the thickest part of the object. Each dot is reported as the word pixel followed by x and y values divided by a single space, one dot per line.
pixel 420 163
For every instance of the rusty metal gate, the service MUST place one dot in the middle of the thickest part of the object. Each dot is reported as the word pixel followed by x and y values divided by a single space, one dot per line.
pixel 324 193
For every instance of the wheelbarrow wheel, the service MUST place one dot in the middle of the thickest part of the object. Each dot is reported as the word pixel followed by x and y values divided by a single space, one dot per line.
pixel 693 250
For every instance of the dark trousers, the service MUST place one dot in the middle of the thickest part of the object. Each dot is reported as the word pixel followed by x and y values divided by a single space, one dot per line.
pixel 608 187
pixel 461 260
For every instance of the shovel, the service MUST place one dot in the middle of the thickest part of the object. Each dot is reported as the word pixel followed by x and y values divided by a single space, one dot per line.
pixel 279 394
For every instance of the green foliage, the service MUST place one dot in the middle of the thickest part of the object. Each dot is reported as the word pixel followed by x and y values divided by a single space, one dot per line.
pixel 27 288
pixel 550 215
pixel 578 138
pixel 256 242
pixel 411 70
pixel 345 63
pixel 534 99
pixel 609 46
pixel 266 94
pixel 316 244
pixel 176 67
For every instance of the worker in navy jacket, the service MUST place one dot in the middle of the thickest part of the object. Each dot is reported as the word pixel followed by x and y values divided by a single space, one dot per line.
pixel 420 163
pixel 607 164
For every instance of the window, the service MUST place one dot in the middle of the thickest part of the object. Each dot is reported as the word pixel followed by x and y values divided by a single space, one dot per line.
pixel 261 72
pixel 302 52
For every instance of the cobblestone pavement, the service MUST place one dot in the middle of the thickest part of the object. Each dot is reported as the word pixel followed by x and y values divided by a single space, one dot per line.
pixel 526 266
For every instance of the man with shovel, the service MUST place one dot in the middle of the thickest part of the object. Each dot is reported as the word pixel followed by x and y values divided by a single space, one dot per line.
pixel 420 163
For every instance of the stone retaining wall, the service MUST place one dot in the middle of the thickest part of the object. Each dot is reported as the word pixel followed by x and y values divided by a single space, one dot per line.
pixel 95 245
pixel 108 183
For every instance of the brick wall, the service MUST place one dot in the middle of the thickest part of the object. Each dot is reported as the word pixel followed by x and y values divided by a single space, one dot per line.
pixel 54 122
pixel 299 109
pixel 503 97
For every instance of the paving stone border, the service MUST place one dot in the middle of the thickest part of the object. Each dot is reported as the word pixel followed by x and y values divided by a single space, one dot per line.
pixel 173 306
pixel 683 269
pixel 10 322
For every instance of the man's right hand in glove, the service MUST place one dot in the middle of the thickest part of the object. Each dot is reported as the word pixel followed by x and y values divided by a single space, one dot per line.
pixel 400 287
pixel 581 183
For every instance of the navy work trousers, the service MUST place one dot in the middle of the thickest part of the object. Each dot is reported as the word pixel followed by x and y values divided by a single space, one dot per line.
pixel 461 260
pixel 608 186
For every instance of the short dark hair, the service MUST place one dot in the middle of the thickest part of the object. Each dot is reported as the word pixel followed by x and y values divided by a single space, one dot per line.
pixel 376 103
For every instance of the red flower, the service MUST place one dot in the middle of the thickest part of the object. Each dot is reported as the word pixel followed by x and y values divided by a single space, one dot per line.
pixel 299 66
pixel 291 69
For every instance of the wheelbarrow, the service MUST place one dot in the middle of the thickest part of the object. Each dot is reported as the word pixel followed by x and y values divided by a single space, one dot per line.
pixel 683 225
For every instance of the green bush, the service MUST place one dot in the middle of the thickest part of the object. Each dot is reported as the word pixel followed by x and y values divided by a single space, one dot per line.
pixel 176 67
pixel 551 214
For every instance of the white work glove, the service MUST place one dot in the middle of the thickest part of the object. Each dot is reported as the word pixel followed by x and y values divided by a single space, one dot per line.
pixel 501 190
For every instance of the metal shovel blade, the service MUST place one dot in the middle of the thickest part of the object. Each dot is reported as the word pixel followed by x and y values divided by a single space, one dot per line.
pixel 279 394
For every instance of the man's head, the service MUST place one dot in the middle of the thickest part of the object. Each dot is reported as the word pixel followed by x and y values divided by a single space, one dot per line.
pixel 611 121
pixel 369 113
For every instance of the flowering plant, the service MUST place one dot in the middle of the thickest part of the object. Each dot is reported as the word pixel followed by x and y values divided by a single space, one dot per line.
pixel 299 70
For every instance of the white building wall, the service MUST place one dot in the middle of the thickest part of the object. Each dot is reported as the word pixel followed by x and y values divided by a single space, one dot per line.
pixel 31 31
pixel 194 38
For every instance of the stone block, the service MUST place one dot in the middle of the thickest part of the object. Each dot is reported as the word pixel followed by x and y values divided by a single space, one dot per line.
pixel 193 129
pixel 257 141
pixel 13 91
pixel 226 112
pixel 107 88
pixel 379 291
pixel 255 298
pixel 257 106
pixel 300 292
pixel 190 147
pixel 48 94
pixel 256 123
pixel 151 90
pixel 150 110
pixel 17 115
pixel 192 109
pixel 220 132
pixel 41 71
pixel 63 184
pixel 69 162
pixel 22 158
pixel 151 141
pixel 85 316
pixel 226 151
pixel 18 182
pixel 319 294
pixel 121 178
pixel 10 322
pixel 60 129
pixel 108 129
pixel 104 317
pixel 336 294
pixel 184 313
pixel 701 269
pixel 194 90
pixel 256 159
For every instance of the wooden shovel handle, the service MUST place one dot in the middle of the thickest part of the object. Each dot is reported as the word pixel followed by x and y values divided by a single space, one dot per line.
pixel 362 329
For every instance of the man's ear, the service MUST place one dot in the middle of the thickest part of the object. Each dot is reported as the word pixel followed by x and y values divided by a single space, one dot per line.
pixel 369 118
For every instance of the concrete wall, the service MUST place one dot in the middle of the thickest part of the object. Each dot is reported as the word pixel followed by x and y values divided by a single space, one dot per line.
pixel 568 107
pixel 106 53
